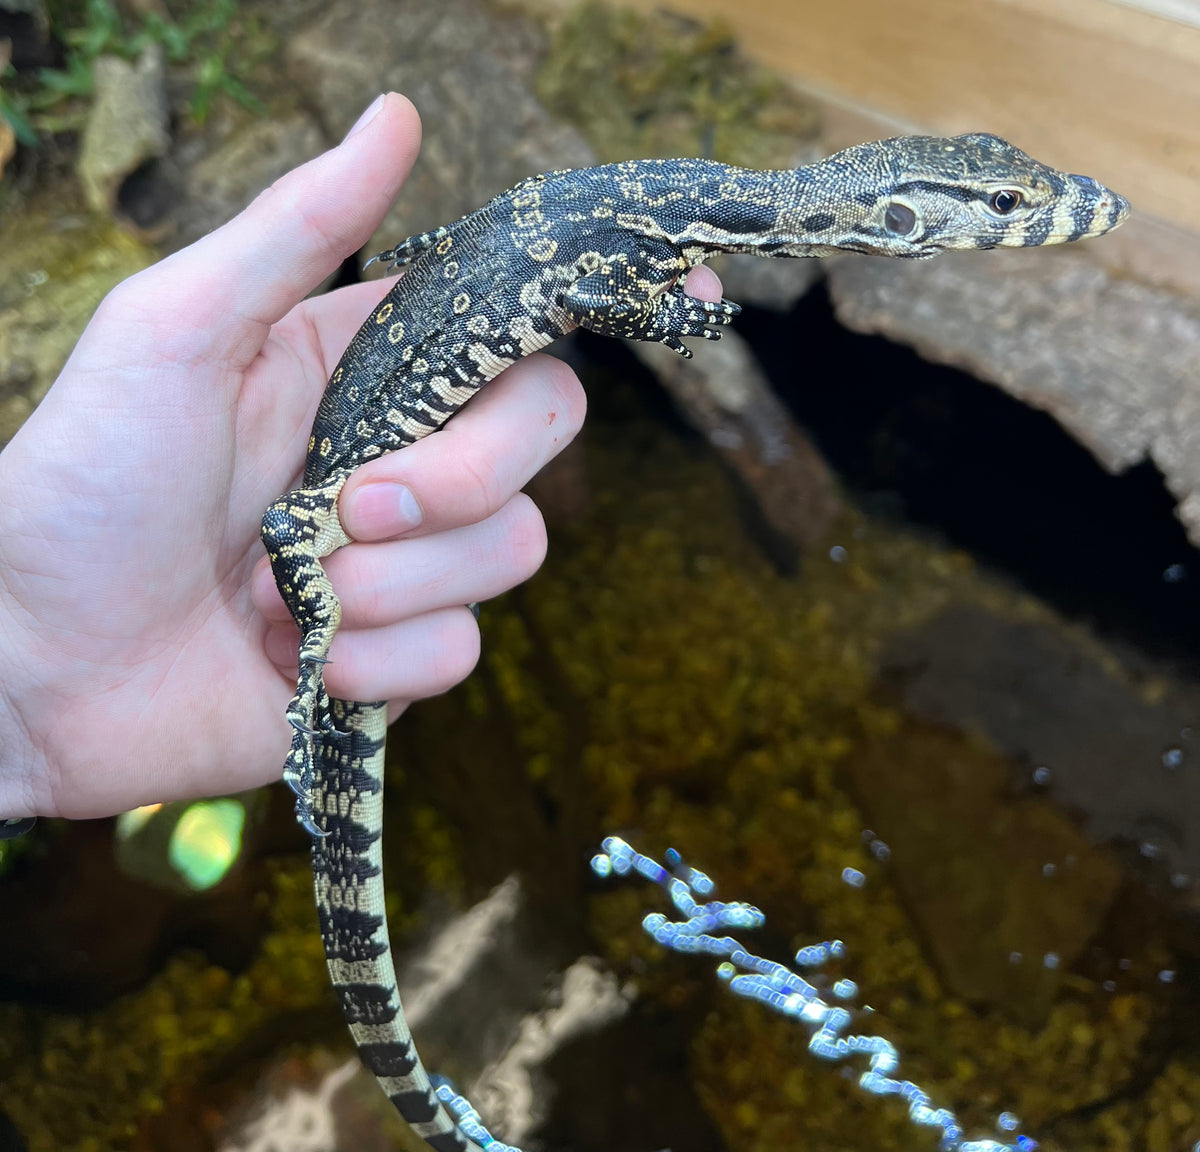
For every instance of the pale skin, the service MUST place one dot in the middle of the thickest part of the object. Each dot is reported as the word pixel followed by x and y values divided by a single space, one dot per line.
pixel 145 653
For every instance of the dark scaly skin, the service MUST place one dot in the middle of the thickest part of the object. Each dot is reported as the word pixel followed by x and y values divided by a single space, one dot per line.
pixel 604 248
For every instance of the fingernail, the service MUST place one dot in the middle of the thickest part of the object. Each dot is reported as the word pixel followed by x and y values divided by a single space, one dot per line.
pixel 366 117
pixel 383 509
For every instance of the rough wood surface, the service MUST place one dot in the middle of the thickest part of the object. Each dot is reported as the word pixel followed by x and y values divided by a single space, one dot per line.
pixel 1090 85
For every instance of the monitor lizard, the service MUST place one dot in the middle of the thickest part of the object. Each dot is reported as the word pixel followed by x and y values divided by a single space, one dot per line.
pixel 604 248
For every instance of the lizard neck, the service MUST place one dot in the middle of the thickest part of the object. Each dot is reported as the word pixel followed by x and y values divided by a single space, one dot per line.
pixel 807 211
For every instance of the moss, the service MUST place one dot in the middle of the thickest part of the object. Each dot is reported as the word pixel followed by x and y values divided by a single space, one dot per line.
pixel 87 1081
pixel 55 268
pixel 1165 1120
pixel 720 703
pixel 661 673
pixel 12 850
pixel 662 86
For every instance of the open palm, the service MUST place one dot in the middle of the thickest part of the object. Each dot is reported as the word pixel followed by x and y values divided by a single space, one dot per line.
pixel 143 652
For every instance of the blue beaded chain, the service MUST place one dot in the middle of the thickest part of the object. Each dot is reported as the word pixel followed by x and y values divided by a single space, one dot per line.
pixel 467 1118
pixel 784 990
pixel 775 985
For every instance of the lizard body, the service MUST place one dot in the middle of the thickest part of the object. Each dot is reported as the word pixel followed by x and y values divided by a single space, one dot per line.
pixel 604 248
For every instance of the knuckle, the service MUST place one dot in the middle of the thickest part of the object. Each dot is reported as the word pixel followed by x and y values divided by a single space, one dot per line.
pixel 361 591
pixel 524 537
pixel 454 650
pixel 481 493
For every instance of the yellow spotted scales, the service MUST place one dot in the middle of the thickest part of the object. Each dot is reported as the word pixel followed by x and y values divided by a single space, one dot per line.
pixel 601 248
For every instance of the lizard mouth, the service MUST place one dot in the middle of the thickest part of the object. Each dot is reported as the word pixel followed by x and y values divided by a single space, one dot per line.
pixel 1095 211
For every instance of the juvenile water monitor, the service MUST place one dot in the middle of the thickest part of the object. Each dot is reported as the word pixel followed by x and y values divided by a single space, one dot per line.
pixel 603 248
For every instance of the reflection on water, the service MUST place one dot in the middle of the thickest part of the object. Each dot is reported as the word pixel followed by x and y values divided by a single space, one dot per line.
pixel 189 843
pixel 206 841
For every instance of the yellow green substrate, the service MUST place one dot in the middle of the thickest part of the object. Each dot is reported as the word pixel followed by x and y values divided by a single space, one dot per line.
pixel 724 709
pixel 704 701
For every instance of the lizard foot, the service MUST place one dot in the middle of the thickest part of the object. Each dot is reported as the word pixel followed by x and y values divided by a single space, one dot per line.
pixel 311 717
pixel 297 530
pixel 682 315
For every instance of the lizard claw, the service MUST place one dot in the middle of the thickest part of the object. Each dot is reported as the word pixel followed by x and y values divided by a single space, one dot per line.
pixel 306 821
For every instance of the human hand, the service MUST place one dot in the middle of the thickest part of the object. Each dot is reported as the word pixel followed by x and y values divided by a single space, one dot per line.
pixel 145 653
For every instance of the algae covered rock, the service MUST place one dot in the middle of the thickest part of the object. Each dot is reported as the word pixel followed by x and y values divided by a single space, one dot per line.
pixel 55 268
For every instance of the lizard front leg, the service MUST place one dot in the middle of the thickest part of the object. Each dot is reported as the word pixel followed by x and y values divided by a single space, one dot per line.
pixel 637 293
pixel 297 530
pixel 409 249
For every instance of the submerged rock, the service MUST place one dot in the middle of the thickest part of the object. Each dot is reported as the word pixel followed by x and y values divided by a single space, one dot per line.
pixel 723 393
pixel 1108 744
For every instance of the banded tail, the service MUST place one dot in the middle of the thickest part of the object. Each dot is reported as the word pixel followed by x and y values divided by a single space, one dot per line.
pixel 348 883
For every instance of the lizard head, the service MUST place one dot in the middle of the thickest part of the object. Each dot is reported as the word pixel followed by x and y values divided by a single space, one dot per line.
pixel 920 195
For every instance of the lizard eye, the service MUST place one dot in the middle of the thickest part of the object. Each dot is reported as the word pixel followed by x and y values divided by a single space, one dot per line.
pixel 900 220
pixel 1005 201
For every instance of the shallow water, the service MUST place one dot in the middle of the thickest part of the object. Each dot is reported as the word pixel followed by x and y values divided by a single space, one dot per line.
pixel 995 765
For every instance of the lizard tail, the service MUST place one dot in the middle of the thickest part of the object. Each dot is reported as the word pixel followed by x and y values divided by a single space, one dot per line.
pixel 348 880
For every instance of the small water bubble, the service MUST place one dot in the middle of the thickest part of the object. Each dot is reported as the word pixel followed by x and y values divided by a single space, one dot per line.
pixel 1109 985
pixel 1124 963
pixel 1007 1122
pixel 1174 573
pixel 1050 960
pixel 875 846
pixel 1015 957
pixel 1042 775
pixel 1166 976
pixel 1049 869
pixel 1180 880
pixel 838 554
pixel 1150 850
pixel 853 877
pixel 1172 758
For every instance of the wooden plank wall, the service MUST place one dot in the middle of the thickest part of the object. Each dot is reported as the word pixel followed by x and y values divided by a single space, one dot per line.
pixel 1110 89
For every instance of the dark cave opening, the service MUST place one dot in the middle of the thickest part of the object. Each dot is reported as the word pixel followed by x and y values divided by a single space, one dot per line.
pixel 937 448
